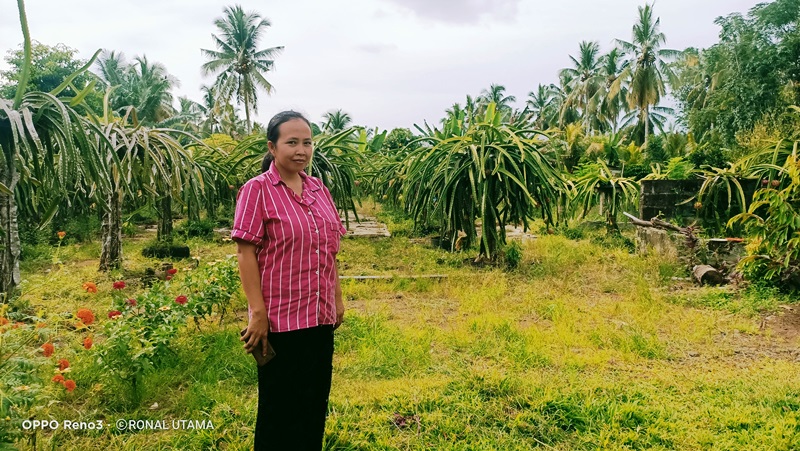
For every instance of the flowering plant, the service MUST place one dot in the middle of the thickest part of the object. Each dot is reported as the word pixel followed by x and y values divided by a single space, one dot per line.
pixel 212 287
pixel 139 336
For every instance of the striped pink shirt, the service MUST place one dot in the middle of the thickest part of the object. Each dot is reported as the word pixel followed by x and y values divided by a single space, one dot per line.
pixel 297 240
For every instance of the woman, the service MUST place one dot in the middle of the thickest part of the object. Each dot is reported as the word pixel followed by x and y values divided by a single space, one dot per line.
pixel 287 231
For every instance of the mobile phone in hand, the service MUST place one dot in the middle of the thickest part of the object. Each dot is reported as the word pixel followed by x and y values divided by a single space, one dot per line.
pixel 258 351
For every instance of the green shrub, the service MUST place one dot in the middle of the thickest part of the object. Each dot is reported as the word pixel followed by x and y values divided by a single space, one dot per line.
pixel 512 254
pixel 773 224
pixel 212 287
pixel 196 229
pixel 138 337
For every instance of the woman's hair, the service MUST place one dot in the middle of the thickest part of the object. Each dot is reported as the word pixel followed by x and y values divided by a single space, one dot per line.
pixel 274 130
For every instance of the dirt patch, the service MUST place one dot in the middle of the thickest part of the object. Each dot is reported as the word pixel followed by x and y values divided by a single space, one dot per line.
pixel 784 324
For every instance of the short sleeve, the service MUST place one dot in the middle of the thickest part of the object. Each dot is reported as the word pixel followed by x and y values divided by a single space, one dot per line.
pixel 248 221
pixel 342 228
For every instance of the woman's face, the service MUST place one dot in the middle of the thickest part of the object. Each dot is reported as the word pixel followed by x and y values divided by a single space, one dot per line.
pixel 294 148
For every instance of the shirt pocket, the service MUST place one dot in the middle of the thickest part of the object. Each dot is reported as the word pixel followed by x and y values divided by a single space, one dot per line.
pixel 333 235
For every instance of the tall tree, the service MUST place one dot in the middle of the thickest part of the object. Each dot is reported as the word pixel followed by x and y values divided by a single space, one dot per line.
pixel 145 86
pixel 584 80
pixel 612 102
pixel 496 94
pixel 240 67
pixel 648 68
pixel 542 106
pixel 50 66
pixel 336 121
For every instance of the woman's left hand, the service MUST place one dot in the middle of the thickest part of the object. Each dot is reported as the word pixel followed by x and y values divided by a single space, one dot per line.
pixel 339 313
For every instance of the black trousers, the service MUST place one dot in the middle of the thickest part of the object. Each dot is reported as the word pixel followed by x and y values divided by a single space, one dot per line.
pixel 293 390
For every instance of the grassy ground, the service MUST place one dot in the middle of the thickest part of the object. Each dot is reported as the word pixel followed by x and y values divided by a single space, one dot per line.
pixel 582 347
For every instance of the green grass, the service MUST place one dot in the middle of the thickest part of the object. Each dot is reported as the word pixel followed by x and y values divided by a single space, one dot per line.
pixel 584 346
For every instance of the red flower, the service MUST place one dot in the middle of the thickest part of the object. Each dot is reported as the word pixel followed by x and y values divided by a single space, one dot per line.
pixel 63 364
pixel 90 287
pixel 86 316
pixel 47 349
pixel 181 299
pixel 118 285
pixel 61 235
pixel 114 314
pixel 69 384
pixel 169 278
pixel 131 302
pixel 59 378
pixel 172 271
pixel 87 342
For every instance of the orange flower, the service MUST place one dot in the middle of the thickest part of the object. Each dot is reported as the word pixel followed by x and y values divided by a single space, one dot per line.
pixel 47 349
pixel 59 378
pixel 86 316
pixel 69 384
pixel 63 364
pixel 90 287
pixel 41 325
pixel 87 342
pixel 61 235
pixel 3 321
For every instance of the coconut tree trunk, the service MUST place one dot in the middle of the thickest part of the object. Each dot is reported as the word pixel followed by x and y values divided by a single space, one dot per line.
pixel 646 124
pixel 165 218
pixel 247 115
pixel 9 243
pixel 111 254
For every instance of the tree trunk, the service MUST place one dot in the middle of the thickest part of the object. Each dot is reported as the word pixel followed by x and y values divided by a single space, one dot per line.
pixel 165 218
pixel 111 254
pixel 247 115
pixel 646 124
pixel 10 246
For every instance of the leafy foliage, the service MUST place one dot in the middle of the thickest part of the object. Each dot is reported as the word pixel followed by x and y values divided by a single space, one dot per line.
pixel 487 169
pixel 773 223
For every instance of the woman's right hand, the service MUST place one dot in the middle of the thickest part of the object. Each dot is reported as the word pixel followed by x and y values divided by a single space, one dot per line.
pixel 257 330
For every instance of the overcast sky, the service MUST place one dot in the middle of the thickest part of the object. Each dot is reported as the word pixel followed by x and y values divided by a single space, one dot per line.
pixel 388 63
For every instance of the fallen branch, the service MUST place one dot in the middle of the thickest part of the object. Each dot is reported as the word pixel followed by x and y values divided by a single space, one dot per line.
pixel 657 224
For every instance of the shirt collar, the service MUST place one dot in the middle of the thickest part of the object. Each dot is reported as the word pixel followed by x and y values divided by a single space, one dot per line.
pixel 274 177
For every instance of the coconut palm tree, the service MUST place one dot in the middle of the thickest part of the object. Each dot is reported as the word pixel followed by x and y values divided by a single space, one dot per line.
pixel 145 86
pixel 612 102
pixel 648 65
pixel 496 94
pixel 542 106
pixel 584 82
pixel 336 121
pixel 240 67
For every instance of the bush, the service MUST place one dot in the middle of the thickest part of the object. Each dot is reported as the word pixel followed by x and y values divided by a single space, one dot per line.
pixel 164 249
pixel 512 254
pixel 139 334
pixel 772 224
pixel 197 229
pixel 212 287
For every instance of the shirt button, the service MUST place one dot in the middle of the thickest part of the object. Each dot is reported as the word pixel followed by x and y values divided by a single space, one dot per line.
pixel 317 251
pixel 317 293
pixel 317 230
pixel 316 272
pixel 309 211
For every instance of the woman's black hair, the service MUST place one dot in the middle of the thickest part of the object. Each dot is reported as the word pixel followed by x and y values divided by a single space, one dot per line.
pixel 274 129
